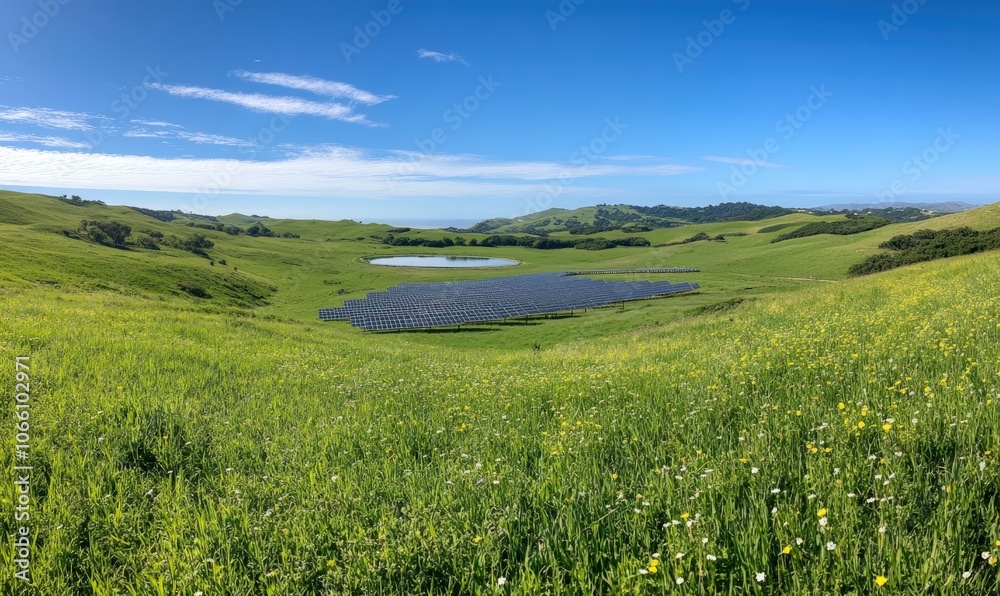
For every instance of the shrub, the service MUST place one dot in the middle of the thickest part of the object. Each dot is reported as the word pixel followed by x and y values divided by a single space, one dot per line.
pixel 146 242
pixel 108 233
pixel 196 290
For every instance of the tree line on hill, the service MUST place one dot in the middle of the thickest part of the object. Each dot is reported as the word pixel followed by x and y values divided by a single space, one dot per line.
pixel 703 237
pixel 543 243
pixel 116 235
pixel 854 224
pixel 644 219
pixel 927 245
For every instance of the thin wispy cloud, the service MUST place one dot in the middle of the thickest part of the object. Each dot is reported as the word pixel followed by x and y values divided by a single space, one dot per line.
pixel 441 57
pixel 632 157
pixel 47 118
pixel 743 161
pixel 336 172
pixel 200 138
pixel 157 123
pixel 269 104
pixel 55 142
pixel 331 89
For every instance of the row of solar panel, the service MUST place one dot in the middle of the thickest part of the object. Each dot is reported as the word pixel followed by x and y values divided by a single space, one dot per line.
pixel 422 305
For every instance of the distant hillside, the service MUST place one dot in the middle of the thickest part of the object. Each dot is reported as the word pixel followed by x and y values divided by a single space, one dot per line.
pixel 637 219
pixel 947 207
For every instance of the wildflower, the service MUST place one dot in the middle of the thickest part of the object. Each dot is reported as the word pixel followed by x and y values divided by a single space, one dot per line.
pixel 679 581
pixel 831 545
pixel 761 577
pixel 477 539
pixel 966 575
pixel 710 557
pixel 786 550
pixel 880 580
pixel 685 516
pixel 823 521
pixel 881 530
pixel 886 427
pixel 986 555
pixel 501 581
pixel 861 424
pixel 799 541
pixel 821 513
pixel 643 571
pixel 754 470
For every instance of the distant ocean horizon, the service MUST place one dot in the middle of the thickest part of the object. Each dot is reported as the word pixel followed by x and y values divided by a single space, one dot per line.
pixel 416 222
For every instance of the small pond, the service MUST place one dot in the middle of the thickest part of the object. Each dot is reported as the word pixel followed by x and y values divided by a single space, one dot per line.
pixel 441 261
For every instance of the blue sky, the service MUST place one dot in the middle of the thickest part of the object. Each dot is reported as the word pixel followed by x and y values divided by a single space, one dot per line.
pixel 405 109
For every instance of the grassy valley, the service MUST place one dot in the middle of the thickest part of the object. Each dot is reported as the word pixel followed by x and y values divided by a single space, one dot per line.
pixel 788 429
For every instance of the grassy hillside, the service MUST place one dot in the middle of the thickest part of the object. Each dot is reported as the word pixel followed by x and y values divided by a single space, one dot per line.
pixel 292 278
pixel 823 438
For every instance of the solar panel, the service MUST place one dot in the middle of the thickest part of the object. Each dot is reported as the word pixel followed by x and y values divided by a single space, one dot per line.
pixel 425 305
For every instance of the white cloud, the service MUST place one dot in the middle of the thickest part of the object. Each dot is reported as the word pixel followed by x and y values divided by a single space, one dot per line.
pixel 289 106
pixel 158 123
pixel 441 57
pixel 46 118
pixel 56 142
pixel 336 172
pixel 332 89
pixel 742 161
pixel 201 138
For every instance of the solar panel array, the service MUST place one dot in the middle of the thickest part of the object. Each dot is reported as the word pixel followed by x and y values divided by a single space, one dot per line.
pixel 445 304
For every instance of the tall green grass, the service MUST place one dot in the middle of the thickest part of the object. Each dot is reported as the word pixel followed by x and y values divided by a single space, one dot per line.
pixel 180 449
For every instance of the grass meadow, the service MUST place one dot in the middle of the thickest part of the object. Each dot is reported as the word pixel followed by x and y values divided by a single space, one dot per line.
pixel 839 438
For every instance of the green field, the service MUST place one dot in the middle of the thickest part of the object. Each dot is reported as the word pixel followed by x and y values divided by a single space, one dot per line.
pixel 786 423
